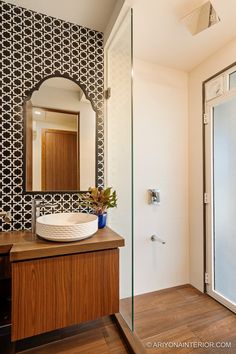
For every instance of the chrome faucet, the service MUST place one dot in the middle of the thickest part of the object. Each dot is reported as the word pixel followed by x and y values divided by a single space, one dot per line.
pixel 154 196
pixel 158 239
pixel 6 216
pixel 36 205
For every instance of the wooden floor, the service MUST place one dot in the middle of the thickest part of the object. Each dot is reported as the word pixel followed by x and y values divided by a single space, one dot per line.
pixel 178 315
pixel 183 315
pixel 97 337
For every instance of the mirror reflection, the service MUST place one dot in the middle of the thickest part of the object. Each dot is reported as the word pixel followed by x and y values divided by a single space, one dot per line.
pixel 60 138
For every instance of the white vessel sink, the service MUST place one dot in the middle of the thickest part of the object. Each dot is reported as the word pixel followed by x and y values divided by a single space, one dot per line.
pixel 66 227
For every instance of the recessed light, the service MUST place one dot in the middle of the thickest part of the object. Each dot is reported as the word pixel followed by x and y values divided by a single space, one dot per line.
pixel 38 113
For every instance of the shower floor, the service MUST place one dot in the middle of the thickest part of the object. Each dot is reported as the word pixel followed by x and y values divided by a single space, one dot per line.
pixel 183 315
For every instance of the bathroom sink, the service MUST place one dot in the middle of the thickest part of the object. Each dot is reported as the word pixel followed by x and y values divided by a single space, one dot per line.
pixel 66 227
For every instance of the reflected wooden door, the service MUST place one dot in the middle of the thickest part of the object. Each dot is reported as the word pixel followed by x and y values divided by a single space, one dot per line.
pixel 59 160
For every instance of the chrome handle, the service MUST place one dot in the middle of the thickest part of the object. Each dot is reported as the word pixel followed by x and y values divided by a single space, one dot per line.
pixel 49 205
pixel 158 239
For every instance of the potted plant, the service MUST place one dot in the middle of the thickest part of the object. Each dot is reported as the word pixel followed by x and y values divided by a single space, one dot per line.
pixel 99 200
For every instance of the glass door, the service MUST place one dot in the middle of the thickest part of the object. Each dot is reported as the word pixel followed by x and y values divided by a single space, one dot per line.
pixel 119 152
pixel 220 197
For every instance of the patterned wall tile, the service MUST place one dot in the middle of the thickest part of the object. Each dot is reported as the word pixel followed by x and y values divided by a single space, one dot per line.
pixel 34 48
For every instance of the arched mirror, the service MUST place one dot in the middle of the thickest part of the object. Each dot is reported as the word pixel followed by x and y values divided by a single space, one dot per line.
pixel 59 138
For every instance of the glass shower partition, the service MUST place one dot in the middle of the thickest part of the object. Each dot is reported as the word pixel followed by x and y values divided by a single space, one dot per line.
pixel 119 152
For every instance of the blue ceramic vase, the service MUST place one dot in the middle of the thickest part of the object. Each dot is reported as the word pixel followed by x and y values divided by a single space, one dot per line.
pixel 102 220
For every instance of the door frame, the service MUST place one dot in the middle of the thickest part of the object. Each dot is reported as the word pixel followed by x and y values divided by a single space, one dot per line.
pixel 208 185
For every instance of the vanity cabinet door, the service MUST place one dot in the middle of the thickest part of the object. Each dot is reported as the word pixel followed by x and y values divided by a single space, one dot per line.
pixel 57 292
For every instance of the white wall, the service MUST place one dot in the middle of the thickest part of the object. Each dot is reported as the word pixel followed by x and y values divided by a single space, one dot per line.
pixel 113 19
pixel 87 146
pixel 165 131
pixel 215 63
pixel 161 160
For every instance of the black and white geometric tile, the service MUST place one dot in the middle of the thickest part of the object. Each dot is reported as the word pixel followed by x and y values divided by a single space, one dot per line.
pixel 34 48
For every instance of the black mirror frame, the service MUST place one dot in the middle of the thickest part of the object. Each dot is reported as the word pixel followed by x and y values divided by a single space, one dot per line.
pixel 36 88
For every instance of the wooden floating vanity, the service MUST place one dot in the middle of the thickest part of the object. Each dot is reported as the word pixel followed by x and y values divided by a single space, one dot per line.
pixel 55 285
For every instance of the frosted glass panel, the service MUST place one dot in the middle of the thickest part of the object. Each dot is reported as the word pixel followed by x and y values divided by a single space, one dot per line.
pixel 119 154
pixel 225 198
pixel 232 80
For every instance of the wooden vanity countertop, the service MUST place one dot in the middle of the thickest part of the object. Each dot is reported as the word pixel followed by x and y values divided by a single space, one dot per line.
pixel 23 245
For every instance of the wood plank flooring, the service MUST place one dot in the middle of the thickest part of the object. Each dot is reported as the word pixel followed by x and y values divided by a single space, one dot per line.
pixel 96 337
pixel 176 315
pixel 183 314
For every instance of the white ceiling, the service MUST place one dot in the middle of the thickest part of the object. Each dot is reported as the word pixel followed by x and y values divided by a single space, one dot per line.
pixel 160 37
pixel 159 34
pixel 93 14
pixel 61 83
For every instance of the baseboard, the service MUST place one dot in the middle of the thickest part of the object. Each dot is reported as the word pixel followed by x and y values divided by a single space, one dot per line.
pixel 165 290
